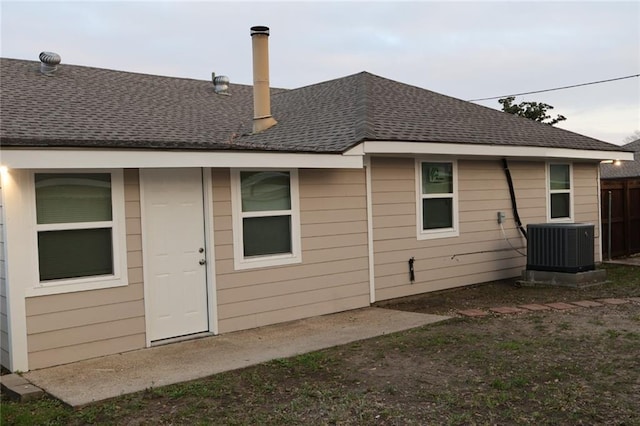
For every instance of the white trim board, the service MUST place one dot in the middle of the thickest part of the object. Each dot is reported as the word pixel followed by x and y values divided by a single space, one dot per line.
pixel 240 262
pixel 70 158
pixel 424 234
pixel 377 147
pixel 210 280
pixel 212 288
pixel 119 278
pixel 19 271
pixel 372 271
pixel 549 192
pixel 129 158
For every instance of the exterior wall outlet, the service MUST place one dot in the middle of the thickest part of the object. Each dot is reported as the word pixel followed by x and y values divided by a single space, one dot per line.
pixel 500 217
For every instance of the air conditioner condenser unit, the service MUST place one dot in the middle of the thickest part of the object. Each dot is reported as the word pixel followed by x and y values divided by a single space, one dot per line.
pixel 560 247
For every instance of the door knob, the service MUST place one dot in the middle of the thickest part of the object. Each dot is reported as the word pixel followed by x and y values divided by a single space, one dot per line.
pixel 202 261
pixel 201 250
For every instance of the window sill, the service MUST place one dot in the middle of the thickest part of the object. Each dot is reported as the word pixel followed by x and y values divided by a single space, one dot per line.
pixel 560 220
pixel 267 261
pixel 73 286
pixel 432 235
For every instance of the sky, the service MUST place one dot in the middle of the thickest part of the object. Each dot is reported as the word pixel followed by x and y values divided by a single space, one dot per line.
pixel 467 50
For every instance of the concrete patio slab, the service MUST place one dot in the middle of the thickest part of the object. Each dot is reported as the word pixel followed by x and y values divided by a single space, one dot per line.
pixel 97 379
pixel 630 261
pixel 18 388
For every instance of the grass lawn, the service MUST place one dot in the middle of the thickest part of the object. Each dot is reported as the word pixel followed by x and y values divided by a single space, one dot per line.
pixel 580 366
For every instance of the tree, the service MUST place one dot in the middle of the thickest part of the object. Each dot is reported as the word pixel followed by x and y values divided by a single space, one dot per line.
pixel 533 110
pixel 632 137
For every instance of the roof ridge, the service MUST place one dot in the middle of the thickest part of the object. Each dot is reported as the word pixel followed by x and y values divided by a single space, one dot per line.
pixel 634 145
pixel 363 125
pixel 324 82
pixel 126 72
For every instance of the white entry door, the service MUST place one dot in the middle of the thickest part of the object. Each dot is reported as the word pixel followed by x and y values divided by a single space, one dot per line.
pixel 174 252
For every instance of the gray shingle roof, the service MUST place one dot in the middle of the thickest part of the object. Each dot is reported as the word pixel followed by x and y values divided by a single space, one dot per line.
pixel 628 169
pixel 90 107
pixel 82 106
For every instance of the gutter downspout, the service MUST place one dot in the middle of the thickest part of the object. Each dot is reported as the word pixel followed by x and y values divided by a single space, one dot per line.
pixel 262 119
pixel 512 193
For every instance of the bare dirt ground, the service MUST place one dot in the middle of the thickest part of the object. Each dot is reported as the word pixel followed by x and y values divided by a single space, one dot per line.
pixel 572 367
pixel 624 282
pixel 579 366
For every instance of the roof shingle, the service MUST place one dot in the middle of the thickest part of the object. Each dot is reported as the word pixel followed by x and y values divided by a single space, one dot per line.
pixel 628 169
pixel 91 107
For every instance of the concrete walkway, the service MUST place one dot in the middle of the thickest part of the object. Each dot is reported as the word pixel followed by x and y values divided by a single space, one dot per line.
pixel 83 382
pixel 631 261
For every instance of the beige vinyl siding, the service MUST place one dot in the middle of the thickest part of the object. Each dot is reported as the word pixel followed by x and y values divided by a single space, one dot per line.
pixel 70 327
pixel 333 275
pixel 4 328
pixel 478 254
pixel 586 200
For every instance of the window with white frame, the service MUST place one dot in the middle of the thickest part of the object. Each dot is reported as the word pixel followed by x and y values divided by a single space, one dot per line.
pixel 438 202
pixel 560 195
pixel 78 220
pixel 266 217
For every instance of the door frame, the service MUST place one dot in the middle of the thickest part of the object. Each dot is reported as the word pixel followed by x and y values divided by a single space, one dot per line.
pixel 212 299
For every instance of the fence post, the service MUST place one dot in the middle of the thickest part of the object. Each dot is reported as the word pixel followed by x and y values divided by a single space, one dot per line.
pixel 609 229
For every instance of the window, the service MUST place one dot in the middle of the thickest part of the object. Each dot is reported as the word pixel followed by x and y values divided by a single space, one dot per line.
pixel 560 196
pixel 266 217
pixel 437 202
pixel 77 220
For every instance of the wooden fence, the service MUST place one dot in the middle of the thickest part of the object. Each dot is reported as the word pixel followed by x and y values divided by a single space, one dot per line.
pixel 625 216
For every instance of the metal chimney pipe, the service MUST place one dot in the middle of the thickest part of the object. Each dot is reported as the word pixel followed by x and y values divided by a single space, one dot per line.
pixel 262 119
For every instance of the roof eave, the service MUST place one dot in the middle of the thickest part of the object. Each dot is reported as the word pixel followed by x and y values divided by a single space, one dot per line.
pixel 487 150
pixel 73 158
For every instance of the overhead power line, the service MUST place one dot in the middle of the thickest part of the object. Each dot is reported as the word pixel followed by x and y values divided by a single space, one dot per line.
pixel 556 88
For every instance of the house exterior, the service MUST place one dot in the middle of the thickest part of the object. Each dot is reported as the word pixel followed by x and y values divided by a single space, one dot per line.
pixel 620 188
pixel 141 209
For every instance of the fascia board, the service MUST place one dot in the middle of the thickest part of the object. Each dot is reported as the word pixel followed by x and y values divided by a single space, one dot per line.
pixel 393 147
pixel 356 150
pixel 16 158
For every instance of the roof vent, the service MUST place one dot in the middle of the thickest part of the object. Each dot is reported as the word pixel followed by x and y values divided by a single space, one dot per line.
pixel 220 84
pixel 49 63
